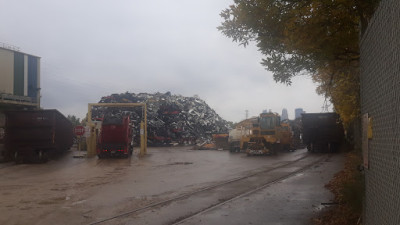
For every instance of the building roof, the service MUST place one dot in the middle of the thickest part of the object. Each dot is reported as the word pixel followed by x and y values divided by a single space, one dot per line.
pixel 12 48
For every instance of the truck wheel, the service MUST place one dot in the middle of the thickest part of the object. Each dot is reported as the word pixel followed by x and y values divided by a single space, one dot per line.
pixel 42 156
pixel 18 158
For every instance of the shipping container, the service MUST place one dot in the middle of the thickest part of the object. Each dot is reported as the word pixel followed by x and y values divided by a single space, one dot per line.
pixel 36 135
pixel 322 132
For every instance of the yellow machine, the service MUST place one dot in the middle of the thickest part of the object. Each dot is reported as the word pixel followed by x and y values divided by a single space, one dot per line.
pixel 285 136
pixel 267 136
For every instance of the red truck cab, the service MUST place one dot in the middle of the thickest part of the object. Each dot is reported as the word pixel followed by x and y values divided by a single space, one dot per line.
pixel 115 137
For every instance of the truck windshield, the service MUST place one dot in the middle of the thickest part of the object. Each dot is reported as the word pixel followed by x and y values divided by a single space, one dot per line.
pixel 267 123
pixel 112 121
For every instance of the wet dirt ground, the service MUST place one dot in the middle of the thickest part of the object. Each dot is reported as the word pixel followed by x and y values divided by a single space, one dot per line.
pixel 294 200
pixel 85 190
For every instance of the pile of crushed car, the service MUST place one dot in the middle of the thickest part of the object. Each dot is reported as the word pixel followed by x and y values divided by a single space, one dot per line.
pixel 171 119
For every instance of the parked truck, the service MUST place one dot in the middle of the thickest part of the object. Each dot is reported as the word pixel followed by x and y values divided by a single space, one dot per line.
pixel 322 132
pixel 115 137
pixel 34 135
pixel 235 138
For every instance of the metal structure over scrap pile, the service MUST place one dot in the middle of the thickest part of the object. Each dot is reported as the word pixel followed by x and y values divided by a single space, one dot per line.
pixel 171 118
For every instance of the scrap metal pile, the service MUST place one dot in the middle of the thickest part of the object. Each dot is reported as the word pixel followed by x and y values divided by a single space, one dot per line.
pixel 171 119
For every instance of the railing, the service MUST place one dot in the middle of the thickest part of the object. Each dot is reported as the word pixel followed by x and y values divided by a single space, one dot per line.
pixel 16 98
pixel 10 47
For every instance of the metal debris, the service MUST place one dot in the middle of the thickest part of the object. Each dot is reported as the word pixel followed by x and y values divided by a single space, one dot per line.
pixel 171 119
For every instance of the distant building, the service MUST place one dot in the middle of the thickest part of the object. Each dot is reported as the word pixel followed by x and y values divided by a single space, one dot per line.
pixel 284 115
pixel 298 112
pixel 19 79
pixel 19 84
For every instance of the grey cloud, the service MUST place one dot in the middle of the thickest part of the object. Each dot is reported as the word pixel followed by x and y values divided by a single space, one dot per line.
pixel 90 49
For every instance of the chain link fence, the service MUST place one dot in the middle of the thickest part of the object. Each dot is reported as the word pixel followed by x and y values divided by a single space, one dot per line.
pixel 380 98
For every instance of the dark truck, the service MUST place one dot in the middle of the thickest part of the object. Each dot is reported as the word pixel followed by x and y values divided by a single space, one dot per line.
pixel 115 137
pixel 322 132
pixel 34 135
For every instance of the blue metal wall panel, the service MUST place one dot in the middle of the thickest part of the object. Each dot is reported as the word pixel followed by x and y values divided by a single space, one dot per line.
pixel 32 76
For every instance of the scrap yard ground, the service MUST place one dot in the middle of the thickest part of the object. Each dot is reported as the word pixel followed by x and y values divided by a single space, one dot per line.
pixel 168 186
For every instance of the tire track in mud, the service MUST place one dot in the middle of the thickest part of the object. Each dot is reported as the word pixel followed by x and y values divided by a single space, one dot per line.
pixel 224 191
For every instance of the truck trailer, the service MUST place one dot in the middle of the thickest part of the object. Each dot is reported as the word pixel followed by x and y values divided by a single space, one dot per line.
pixel 322 132
pixel 115 137
pixel 235 138
pixel 34 135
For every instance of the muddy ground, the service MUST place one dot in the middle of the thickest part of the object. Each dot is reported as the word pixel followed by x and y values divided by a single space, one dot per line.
pixel 85 190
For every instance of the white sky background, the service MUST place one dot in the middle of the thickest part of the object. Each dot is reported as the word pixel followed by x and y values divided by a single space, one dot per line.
pixel 95 48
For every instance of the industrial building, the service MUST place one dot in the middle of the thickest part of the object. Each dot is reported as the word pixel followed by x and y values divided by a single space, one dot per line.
pixel 19 83
pixel 19 79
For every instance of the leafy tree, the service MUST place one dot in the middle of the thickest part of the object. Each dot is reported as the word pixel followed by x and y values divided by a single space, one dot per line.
pixel 316 37
pixel 74 120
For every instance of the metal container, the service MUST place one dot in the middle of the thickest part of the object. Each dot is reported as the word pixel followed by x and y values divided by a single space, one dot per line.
pixel 322 132
pixel 35 135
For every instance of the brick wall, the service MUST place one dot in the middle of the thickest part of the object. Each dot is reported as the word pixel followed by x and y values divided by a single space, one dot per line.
pixel 380 98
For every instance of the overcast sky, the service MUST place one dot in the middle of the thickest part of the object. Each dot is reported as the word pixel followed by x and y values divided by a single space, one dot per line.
pixel 93 48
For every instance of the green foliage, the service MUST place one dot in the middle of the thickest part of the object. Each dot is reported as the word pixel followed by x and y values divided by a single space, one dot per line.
pixel 231 124
pixel 317 37
pixel 74 120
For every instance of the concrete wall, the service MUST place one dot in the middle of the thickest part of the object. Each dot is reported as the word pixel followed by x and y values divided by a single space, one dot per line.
pixel 6 71
pixel 380 98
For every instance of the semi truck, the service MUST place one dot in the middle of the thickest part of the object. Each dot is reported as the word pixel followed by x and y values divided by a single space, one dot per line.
pixel 322 132
pixel 115 137
pixel 35 135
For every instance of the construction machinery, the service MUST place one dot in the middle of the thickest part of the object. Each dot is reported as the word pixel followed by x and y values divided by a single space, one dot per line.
pixel 221 140
pixel 285 136
pixel 267 135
